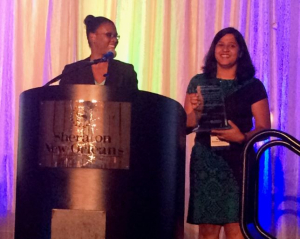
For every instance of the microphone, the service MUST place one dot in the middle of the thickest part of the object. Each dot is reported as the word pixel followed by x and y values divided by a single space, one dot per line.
pixel 107 56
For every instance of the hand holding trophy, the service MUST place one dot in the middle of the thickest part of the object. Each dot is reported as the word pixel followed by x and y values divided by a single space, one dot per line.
pixel 197 100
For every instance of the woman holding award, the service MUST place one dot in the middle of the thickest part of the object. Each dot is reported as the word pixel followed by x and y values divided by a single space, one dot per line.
pixel 216 164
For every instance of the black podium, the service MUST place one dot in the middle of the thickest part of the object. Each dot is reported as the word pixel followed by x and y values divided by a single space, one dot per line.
pixel 131 168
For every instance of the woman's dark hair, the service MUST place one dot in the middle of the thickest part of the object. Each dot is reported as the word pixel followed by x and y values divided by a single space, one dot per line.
pixel 245 69
pixel 92 23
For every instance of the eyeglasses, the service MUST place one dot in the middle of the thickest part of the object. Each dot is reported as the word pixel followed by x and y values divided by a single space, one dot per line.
pixel 111 35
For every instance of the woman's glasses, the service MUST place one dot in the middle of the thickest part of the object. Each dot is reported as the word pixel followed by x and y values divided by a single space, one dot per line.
pixel 111 35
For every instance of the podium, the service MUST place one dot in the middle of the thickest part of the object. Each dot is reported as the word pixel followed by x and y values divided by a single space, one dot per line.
pixel 117 153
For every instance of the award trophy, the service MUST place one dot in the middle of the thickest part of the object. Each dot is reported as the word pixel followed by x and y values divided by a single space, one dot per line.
pixel 213 115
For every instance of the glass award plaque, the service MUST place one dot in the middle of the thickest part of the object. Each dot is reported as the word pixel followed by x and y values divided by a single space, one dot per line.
pixel 213 115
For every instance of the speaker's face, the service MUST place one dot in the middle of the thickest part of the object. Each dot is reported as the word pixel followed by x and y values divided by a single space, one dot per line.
pixel 104 39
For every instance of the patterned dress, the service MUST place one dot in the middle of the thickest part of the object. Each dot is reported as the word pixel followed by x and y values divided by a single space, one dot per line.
pixel 216 173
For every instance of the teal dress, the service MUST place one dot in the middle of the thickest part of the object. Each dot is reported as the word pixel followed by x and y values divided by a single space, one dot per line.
pixel 216 173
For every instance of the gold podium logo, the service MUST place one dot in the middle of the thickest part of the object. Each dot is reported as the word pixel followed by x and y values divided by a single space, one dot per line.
pixel 91 134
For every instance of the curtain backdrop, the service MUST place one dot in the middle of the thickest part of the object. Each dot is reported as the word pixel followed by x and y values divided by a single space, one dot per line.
pixel 166 41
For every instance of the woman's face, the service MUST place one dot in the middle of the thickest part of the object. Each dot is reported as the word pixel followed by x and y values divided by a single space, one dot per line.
pixel 227 51
pixel 104 39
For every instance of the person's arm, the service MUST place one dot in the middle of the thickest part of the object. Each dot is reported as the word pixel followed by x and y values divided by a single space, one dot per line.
pixel 193 107
pixel 261 114
pixel 132 78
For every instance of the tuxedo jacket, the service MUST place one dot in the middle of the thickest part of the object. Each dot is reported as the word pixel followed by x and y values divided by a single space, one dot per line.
pixel 119 74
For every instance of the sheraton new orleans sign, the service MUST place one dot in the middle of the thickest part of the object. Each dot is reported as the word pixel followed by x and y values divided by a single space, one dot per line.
pixel 78 133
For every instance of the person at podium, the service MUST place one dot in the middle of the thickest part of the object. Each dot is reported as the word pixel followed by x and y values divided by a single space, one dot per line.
pixel 103 39
pixel 216 163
